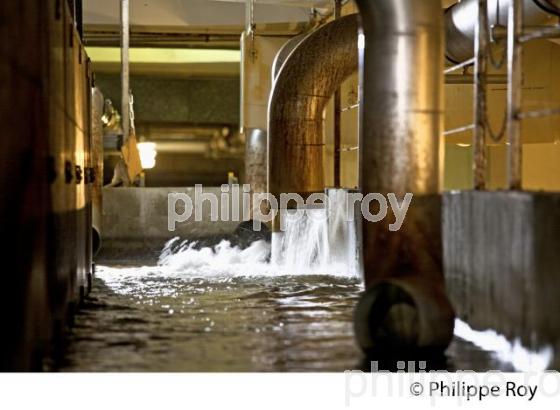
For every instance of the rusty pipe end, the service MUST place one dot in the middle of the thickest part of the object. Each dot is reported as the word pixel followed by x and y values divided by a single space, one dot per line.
pixel 402 317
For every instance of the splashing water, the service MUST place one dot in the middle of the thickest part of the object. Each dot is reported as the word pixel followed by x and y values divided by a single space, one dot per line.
pixel 224 308
pixel 289 299
pixel 220 260
pixel 225 260
pixel 315 241
pixel 515 353
pixel 320 239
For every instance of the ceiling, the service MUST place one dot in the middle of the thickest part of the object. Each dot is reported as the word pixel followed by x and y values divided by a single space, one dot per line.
pixel 203 13
pixel 198 13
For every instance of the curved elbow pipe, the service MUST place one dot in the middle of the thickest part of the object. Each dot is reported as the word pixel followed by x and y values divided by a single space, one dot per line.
pixel 284 53
pixel 461 20
pixel 306 81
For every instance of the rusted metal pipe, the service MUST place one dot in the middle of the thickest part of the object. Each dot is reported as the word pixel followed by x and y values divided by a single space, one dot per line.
pixel 284 53
pixel 481 47
pixel 514 93
pixel 306 81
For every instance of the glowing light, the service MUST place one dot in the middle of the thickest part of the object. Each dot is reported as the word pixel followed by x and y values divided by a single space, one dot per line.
pixel 164 55
pixel 361 41
pixel 148 154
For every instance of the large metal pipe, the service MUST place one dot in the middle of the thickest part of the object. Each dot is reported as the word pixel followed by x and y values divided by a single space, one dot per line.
pixel 461 18
pixel 303 87
pixel 284 53
pixel 401 62
pixel 401 66
pixel 402 95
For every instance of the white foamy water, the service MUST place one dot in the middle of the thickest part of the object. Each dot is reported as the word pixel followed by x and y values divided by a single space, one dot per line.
pixel 515 353
pixel 184 259
pixel 311 244
pixel 319 239
pixel 227 260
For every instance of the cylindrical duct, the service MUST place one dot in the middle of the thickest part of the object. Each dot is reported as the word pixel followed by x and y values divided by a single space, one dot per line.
pixel 303 87
pixel 401 67
pixel 97 105
pixel 402 104
pixel 461 19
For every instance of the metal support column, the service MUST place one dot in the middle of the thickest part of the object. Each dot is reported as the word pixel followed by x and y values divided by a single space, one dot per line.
pixel 125 73
pixel 337 115
pixel 250 27
pixel 515 67
pixel 480 77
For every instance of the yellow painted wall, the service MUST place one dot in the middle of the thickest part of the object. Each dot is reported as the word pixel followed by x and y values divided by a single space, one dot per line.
pixel 541 152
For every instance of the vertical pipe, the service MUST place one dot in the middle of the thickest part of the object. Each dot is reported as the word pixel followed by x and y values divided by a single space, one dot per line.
pixel 337 111
pixel 480 78
pixel 80 17
pixel 405 306
pixel 515 55
pixel 125 73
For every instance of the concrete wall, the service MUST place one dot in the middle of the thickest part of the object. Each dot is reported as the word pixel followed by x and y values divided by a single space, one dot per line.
pixel 184 100
pixel 541 89
pixel 135 222
pixel 44 183
pixel 502 263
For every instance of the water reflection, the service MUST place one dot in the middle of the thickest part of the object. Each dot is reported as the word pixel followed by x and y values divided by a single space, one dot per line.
pixel 205 311
pixel 150 323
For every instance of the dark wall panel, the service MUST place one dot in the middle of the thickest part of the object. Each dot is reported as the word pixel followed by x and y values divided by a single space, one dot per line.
pixel 186 100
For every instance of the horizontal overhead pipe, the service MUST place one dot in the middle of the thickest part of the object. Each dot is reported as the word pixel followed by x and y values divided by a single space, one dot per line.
pixel 461 20
pixel 405 307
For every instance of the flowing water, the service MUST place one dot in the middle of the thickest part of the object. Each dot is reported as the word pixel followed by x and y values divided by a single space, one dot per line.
pixel 221 309
pixel 228 309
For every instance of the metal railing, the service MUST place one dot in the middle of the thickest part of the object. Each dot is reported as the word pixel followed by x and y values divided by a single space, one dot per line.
pixel 516 35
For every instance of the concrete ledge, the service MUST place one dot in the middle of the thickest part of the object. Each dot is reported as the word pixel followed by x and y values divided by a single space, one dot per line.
pixel 502 263
pixel 135 223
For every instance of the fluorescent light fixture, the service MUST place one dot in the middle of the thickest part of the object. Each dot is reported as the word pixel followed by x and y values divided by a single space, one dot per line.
pixel 164 55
